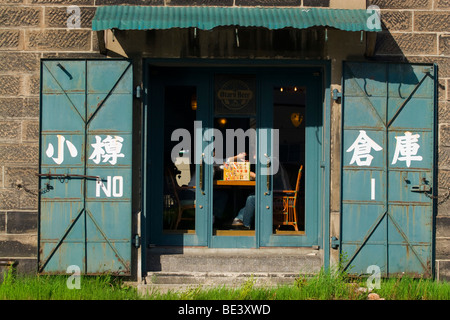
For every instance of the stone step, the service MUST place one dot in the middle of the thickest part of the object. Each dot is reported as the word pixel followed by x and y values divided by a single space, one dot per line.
pixel 229 279
pixel 240 261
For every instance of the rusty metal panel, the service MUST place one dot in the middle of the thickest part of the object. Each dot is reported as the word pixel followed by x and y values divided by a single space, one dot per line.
pixel 109 139
pixel 208 17
pixel 85 166
pixel 388 167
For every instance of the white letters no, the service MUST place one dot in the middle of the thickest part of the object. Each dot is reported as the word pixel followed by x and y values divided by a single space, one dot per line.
pixel 116 188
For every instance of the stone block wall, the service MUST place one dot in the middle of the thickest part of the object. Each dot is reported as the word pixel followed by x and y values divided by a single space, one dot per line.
pixel 419 31
pixel 29 30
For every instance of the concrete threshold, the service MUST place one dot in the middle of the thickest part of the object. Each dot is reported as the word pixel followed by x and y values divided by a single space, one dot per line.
pixel 181 267
pixel 162 282
pixel 234 251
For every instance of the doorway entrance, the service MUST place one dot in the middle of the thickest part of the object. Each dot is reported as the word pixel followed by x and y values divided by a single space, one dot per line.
pixel 234 156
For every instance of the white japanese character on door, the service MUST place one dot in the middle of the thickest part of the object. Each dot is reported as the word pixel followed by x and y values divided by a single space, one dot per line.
pixel 362 148
pixel 406 149
pixel 59 159
pixel 108 149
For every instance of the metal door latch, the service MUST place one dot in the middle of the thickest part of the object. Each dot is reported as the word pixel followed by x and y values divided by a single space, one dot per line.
pixel 336 94
pixel 334 243
pixel 64 176
pixel 421 188
pixel 46 189
pixel 137 241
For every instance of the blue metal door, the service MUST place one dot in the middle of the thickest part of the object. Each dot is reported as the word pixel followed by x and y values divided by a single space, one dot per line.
pixel 85 166
pixel 388 167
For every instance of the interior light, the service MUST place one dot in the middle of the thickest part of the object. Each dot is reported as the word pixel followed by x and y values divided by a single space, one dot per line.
pixel 222 122
pixel 296 119
pixel 194 102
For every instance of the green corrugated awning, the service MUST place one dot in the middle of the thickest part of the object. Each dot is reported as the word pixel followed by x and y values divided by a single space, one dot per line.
pixel 207 18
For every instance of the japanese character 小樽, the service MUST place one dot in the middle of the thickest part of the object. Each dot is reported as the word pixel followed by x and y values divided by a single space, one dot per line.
pixel 60 153
pixel 108 149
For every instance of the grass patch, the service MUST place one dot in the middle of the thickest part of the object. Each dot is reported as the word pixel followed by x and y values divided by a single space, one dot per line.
pixel 51 287
pixel 326 285
pixel 323 286
pixel 407 288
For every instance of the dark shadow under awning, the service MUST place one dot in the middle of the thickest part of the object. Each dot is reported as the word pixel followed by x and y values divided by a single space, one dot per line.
pixel 207 18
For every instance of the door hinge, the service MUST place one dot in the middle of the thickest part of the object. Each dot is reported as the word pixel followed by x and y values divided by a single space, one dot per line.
pixel 336 94
pixel 334 243
pixel 428 69
pixel 137 92
pixel 137 241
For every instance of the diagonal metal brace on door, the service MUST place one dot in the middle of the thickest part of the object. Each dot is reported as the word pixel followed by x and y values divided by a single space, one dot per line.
pixel 372 229
pixel 119 257
pixel 366 238
pixel 108 95
pixel 366 96
pixel 399 229
pixel 66 232
pixel 408 99
pixel 72 104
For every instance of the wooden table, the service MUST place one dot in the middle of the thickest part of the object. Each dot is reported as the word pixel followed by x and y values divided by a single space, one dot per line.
pixel 235 183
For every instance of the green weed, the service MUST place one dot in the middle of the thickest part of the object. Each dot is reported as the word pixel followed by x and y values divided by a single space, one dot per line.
pixel 48 287
pixel 326 285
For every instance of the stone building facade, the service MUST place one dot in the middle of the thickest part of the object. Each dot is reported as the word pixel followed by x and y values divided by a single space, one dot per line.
pixel 31 30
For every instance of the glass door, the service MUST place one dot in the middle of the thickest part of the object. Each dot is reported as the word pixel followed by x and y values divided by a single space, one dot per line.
pixel 235 157
pixel 178 112
pixel 291 111
pixel 233 179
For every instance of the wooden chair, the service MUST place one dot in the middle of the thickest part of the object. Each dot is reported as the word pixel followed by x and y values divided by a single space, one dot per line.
pixel 285 205
pixel 182 205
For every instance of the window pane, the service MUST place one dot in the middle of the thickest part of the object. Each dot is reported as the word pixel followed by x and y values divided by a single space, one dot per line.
pixel 179 172
pixel 234 179
pixel 289 118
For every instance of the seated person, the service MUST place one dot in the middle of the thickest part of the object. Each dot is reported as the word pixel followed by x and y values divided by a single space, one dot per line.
pixel 220 197
pixel 246 215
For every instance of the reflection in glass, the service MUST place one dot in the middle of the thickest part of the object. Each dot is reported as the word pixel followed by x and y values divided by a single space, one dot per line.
pixel 234 178
pixel 289 118
pixel 179 172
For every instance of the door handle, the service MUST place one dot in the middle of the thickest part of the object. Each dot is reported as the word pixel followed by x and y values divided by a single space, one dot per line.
pixel 268 175
pixel 201 175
